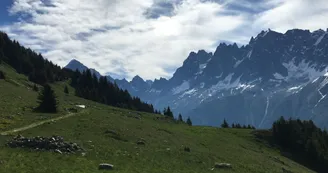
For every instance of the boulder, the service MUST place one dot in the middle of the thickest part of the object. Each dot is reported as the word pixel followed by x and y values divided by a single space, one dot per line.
pixel 141 143
pixel 187 149
pixel 58 151
pixel 223 165
pixel 105 166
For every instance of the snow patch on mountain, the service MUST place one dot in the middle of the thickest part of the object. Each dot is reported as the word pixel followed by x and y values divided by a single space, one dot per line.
pixel 201 68
pixel 225 84
pixel 250 54
pixel 319 40
pixel 155 91
pixel 238 63
pixel 302 70
pixel 183 87
pixel 244 87
pixel 295 89
pixel 278 76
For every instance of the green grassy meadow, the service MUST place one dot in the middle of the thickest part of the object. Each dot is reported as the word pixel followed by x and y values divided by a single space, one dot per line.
pixel 110 135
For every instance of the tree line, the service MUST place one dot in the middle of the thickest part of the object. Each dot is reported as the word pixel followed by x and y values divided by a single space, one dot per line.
pixel 304 140
pixel 27 62
pixel 168 113
pixel 225 124
pixel 89 86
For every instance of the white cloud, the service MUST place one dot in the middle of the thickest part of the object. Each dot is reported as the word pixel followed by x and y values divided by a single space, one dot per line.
pixel 117 37
pixel 305 14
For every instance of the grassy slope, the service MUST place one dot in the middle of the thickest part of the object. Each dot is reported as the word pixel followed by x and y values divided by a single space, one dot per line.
pixel 163 151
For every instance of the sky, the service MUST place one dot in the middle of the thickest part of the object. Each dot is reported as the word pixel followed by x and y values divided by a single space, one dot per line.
pixel 149 38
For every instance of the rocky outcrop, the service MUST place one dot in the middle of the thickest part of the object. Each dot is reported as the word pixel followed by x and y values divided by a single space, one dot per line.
pixel 54 143
pixel 105 166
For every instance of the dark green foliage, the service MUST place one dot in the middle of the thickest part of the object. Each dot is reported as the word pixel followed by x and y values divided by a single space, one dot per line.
pixel 47 100
pixel 180 118
pixel 35 88
pixel 88 86
pixel 29 63
pixel 66 90
pixel 2 75
pixel 225 124
pixel 189 122
pixel 167 112
pixel 238 126
pixel 303 139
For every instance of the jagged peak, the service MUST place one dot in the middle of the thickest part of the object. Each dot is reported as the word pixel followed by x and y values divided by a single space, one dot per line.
pixel 293 31
pixel 74 61
pixel 161 79
pixel 137 78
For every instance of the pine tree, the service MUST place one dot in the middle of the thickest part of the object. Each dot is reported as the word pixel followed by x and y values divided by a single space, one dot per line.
pixel 167 112
pixel 233 125
pixel 180 118
pixel 189 122
pixel 2 75
pixel 66 90
pixel 225 124
pixel 47 100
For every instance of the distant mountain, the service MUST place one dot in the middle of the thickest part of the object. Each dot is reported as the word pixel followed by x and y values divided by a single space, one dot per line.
pixel 276 74
pixel 134 87
pixel 77 65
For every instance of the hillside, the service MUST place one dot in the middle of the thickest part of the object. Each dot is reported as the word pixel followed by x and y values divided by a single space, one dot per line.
pixel 110 135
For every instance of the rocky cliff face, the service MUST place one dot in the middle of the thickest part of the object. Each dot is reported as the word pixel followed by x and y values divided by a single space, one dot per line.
pixel 274 75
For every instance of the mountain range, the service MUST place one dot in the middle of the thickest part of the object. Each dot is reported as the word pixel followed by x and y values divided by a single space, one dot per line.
pixel 275 74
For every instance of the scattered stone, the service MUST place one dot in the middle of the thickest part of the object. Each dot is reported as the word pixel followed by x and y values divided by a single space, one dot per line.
pixel 222 165
pixel 54 143
pixel 83 154
pixel 57 151
pixel 168 149
pixel 105 166
pixel 187 149
pixel 141 143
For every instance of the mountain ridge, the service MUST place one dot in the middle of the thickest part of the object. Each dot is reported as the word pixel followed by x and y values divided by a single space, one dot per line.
pixel 271 70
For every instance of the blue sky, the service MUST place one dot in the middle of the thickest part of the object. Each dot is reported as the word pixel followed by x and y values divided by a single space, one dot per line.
pixel 4 16
pixel 150 38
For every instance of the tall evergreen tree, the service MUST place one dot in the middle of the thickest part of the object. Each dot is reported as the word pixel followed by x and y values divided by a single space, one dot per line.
pixel 225 124
pixel 189 122
pixel 66 90
pixel 47 100
pixel 180 118
pixel 168 112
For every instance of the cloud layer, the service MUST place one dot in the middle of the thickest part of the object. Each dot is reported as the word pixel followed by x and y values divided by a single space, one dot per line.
pixel 150 38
